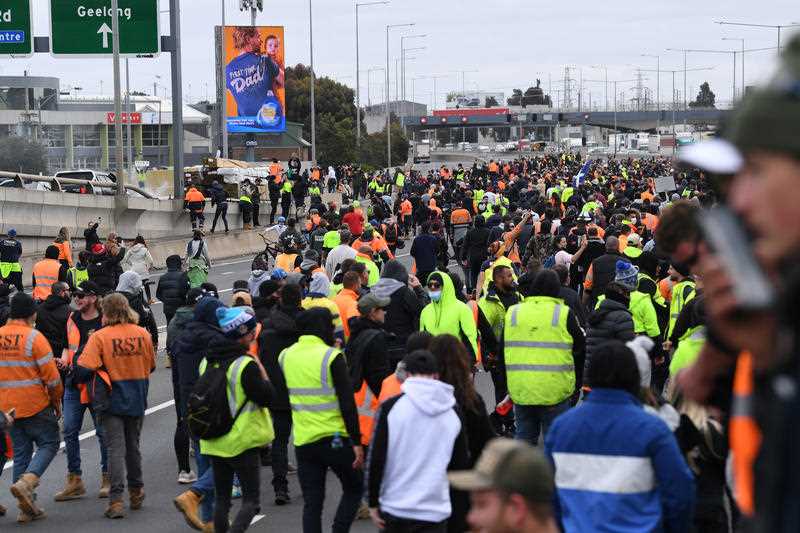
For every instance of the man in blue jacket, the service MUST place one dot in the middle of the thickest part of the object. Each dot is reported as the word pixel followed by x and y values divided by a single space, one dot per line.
pixel 618 468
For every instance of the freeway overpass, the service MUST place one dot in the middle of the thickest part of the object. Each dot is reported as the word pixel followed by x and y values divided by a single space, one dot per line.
pixel 624 120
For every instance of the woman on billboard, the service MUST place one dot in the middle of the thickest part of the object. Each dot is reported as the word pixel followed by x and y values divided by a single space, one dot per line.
pixel 252 78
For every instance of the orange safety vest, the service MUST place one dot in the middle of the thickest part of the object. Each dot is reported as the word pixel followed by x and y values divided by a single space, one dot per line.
pixel 745 436
pixel 73 343
pixel 367 405
pixel 390 387
pixel 286 262
pixel 45 272
pixel 193 195
pixel 253 349
pixel 275 170
pixel 473 305
pixel 64 251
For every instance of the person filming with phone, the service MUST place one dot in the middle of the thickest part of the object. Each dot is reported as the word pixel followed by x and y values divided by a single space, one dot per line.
pixel 750 362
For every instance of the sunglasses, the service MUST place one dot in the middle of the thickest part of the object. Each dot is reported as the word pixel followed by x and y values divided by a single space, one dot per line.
pixel 79 295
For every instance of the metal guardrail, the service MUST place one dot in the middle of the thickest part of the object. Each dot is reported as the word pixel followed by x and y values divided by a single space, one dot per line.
pixel 56 183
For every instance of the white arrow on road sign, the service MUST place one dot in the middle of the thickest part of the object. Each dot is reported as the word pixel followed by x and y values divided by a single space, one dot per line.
pixel 105 30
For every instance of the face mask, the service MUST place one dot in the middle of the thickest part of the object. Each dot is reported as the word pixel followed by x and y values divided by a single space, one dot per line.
pixel 435 295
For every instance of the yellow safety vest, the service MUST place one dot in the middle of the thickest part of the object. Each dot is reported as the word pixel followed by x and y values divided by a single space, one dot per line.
pixel 253 427
pixel 678 301
pixel 540 369
pixel 688 349
pixel 306 366
pixel 489 272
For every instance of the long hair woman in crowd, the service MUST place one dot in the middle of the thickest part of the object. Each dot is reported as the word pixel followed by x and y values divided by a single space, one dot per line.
pixel 454 369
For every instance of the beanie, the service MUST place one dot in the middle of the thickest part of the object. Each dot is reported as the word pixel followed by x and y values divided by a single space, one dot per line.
pixel 627 275
pixel 235 322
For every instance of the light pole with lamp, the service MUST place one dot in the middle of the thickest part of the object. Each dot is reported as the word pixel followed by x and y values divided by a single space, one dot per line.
pixel 388 107
pixel 772 26
pixel 741 94
pixel 358 78
pixel 403 60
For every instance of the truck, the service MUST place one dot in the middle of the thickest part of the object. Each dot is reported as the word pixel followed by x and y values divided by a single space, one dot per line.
pixel 422 152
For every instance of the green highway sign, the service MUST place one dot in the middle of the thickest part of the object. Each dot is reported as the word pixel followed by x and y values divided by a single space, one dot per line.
pixel 83 27
pixel 16 37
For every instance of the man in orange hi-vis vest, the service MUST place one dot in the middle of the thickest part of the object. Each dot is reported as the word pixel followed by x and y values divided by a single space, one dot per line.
pixel 30 387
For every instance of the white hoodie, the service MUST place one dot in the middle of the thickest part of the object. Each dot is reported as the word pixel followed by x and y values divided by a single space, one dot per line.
pixel 423 428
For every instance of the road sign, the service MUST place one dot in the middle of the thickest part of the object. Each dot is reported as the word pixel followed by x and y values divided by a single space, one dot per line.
pixel 16 37
pixel 83 27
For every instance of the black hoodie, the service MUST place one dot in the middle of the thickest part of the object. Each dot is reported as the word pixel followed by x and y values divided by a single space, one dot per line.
pixel 173 286
pixel 373 358
pixel 402 315
pixel 51 321
pixel 278 332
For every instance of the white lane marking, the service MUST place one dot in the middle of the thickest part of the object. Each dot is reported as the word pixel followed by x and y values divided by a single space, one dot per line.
pixel 226 273
pixel 256 518
pixel 92 433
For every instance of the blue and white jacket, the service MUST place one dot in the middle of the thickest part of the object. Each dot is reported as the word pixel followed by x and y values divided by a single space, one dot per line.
pixel 618 468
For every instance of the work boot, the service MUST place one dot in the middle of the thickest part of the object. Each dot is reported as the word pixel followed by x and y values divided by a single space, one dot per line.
pixel 208 527
pixel 188 503
pixel 282 497
pixel 115 509
pixel 105 486
pixel 137 498
pixel 23 492
pixel 73 489
pixel 2 511
pixel 363 512
pixel 24 518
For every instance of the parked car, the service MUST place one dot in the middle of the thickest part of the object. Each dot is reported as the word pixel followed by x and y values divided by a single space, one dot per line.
pixel 484 148
pixel 103 182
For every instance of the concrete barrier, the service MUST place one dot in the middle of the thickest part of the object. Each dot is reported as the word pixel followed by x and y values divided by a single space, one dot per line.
pixel 38 215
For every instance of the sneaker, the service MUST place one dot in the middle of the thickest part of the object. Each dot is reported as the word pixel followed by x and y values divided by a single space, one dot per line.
pixel 291 469
pixel 282 497
pixel 115 510
pixel 186 478
pixel 236 492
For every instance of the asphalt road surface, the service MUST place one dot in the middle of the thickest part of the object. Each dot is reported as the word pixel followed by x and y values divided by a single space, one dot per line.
pixel 159 464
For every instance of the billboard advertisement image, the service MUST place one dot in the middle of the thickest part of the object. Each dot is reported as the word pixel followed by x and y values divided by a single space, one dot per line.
pixel 254 79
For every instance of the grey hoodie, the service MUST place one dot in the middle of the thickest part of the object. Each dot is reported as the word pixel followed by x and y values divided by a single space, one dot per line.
pixel 257 277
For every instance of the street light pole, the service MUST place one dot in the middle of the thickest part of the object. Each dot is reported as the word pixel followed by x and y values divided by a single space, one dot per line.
pixel 741 94
pixel 358 77
pixel 118 164
pixel 773 26
pixel 388 107
pixel 313 83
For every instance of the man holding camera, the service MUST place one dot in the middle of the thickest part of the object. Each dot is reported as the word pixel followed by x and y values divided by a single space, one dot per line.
pixel 760 343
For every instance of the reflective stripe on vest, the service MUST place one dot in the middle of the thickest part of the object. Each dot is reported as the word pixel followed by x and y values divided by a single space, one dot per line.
pixel 253 427
pixel 45 273
pixel 473 306
pixel 745 435
pixel 678 302
pixel 538 352
pixel 315 407
pixel 367 405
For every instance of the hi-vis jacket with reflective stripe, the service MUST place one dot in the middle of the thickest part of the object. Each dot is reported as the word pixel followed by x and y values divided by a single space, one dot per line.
pixel 29 380
pixel 45 273
pixel 682 293
pixel 538 352
pixel 253 428
pixel 367 405
pixel 688 349
pixel 306 366
pixel 618 468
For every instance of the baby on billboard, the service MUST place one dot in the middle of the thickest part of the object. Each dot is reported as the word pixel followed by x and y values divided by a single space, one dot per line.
pixel 253 78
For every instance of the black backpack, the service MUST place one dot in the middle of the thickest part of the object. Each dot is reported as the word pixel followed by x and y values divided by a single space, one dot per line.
pixel 207 413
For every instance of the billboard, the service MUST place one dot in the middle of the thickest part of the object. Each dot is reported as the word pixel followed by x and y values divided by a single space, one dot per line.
pixel 254 79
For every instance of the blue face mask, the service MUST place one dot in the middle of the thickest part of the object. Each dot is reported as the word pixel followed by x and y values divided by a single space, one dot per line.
pixel 435 295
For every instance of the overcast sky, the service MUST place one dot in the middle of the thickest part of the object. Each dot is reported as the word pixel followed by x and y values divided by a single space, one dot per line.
pixel 503 43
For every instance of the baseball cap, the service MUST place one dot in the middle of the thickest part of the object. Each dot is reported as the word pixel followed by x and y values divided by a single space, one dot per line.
pixel 718 156
pixel 371 301
pixel 88 287
pixel 511 466
pixel 12 232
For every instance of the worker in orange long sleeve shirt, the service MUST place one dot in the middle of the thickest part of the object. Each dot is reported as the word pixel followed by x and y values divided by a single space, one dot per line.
pixel 31 387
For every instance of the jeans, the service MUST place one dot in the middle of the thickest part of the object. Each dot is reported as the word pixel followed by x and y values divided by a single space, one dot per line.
pixel 197 218
pixel 404 525
pixel 247 466
pixel 74 411
pixel 313 462
pixel 122 438
pixel 273 208
pixel 40 429
pixel 223 212
pixel 532 420
pixel 282 423
pixel 204 486
pixel 180 440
